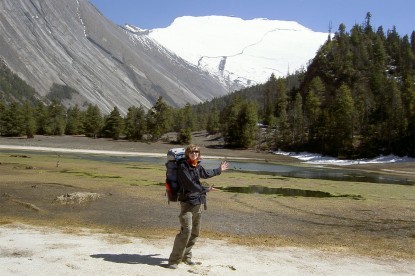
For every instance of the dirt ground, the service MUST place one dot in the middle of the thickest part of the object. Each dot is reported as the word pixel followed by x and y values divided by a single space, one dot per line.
pixel 379 226
pixel 33 250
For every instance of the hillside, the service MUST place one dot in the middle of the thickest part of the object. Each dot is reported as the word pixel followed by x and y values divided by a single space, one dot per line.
pixel 70 43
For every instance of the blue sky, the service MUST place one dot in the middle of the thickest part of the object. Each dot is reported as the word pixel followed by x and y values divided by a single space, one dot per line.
pixel 314 14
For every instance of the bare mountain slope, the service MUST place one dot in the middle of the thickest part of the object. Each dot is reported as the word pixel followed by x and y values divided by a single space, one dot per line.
pixel 71 43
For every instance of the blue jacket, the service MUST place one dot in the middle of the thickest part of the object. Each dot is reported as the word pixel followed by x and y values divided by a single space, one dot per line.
pixel 189 179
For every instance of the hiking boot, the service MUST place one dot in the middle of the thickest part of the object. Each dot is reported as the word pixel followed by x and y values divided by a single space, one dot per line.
pixel 172 266
pixel 190 262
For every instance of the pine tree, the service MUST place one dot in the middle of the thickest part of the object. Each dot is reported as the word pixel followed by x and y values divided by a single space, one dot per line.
pixel 184 136
pixel 158 119
pixel 379 54
pixel 312 107
pixel 283 131
pixel 342 115
pixel 135 124
pixel 408 97
pixel 29 120
pixel 230 127
pixel 56 114
pixel 395 122
pixel 413 42
pixel 93 121
pixel 248 122
pixel 13 120
pixel 74 121
pixel 297 121
pixel 407 66
pixel 270 133
pixel 41 118
pixel 2 115
pixel 184 118
pixel 239 123
pixel 367 26
pixel 189 117
pixel 113 125
pixel 270 91
pixel 213 126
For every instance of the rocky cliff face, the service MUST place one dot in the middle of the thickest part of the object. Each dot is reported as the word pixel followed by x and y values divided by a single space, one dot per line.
pixel 70 43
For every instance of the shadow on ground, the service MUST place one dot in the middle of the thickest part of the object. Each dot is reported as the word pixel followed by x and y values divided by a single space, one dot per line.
pixel 132 258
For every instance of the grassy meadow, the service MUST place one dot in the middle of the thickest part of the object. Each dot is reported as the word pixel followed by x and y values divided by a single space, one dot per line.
pixel 364 218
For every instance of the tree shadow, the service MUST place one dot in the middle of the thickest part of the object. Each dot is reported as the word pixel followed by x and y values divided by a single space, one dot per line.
pixel 151 259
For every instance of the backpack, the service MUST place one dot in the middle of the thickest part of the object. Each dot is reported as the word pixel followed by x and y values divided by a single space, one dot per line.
pixel 174 156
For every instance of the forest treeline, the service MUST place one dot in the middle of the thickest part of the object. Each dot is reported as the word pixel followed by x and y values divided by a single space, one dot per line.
pixel 54 119
pixel 356 98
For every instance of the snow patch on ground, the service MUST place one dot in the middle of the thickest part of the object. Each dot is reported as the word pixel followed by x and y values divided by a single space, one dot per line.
pixel 313 158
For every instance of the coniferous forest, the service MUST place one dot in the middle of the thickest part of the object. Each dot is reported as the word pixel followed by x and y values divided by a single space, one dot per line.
pixel 355 98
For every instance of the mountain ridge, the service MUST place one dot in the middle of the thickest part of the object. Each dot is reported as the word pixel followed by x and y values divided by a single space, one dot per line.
pixel 71 43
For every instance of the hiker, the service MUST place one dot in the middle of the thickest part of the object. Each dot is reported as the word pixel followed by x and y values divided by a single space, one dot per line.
pixel 191 202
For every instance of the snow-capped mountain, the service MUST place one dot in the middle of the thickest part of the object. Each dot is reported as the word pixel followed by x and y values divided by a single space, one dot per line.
pixel 240 52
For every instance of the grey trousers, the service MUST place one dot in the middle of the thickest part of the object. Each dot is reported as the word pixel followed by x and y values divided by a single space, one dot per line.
pixel 190 216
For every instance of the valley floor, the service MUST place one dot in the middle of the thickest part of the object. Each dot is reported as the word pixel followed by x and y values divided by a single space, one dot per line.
pixel 130 229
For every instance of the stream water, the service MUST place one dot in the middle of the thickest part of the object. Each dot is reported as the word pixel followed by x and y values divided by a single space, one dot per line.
pixel 275 169
pixel 309 172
